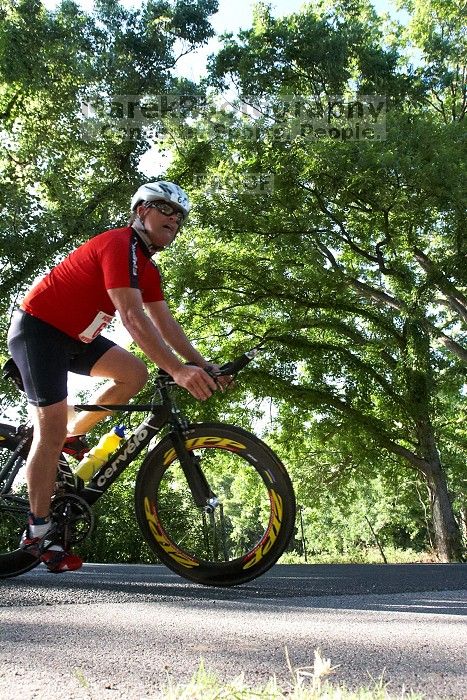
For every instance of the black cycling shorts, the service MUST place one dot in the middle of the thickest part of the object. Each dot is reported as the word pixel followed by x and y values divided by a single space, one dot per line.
pixel 45 355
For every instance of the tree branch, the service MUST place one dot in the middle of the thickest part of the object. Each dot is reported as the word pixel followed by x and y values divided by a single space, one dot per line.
pixel 369 292
pixel 375 428
pixel 456 299
pixel 369 371
pixel 9 107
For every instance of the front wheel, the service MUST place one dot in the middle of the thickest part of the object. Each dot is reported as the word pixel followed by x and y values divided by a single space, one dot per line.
pixel 239 537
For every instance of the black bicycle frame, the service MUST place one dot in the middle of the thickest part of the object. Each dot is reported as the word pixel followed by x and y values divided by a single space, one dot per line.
pixel 8 474
pixel 160 415
pixel 203 496
pixel 125 454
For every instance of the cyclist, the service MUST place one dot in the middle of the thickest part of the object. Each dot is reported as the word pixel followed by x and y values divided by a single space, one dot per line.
pixel 57 329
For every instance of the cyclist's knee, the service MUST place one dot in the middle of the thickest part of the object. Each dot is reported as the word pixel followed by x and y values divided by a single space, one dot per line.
pixel 137 377
pixel 49 421
pixel 49 438
pixel 123 368
pixel 140 375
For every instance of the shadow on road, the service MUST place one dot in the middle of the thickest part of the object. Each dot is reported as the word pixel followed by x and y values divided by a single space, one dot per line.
pixel 396 588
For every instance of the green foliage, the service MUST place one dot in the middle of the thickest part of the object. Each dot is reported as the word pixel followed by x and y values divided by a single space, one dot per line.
pixel 347 255
pixel 350 261
pixel 437 30
pixel 64 176
pixel 307 683
pixel 374 514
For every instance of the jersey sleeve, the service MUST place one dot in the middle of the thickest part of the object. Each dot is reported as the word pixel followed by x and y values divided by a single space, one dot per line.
pixel 124 265
pixel 119 262
pixel 152 284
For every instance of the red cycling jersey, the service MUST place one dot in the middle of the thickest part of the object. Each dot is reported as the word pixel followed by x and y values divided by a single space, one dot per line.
pixel 73 296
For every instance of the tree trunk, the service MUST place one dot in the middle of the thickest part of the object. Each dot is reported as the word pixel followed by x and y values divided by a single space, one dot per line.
pixel 463 517
pixel 447 533
pixel 420 388
pixel 448 538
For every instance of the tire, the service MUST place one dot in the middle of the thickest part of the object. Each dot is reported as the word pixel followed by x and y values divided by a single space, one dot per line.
pixel 249 529
pixel 14 506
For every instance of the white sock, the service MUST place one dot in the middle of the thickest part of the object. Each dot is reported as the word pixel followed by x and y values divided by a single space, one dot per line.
pixel 40 531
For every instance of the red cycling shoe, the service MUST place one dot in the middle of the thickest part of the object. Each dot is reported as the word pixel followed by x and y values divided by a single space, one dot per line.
pixel 76 446
pixel 56 560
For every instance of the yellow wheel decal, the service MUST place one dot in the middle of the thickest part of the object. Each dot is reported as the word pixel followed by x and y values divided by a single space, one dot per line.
pixel 271 535
pixel 182 558
pixel 159 535
pixel 194 443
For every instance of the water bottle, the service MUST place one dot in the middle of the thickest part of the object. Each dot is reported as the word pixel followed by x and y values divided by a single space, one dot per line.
pixel 95 458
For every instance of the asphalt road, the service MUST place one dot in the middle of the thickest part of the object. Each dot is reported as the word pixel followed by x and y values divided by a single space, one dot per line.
pixel 126 632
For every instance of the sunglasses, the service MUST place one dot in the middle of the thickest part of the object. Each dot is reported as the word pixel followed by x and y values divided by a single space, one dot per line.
pixel 167 210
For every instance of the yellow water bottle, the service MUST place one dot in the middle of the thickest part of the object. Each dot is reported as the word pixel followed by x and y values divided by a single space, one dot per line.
pixel 95 458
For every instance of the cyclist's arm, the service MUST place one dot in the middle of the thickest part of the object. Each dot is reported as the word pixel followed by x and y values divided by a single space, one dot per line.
pixel 129 304
pixel 172 332
pixel 174 335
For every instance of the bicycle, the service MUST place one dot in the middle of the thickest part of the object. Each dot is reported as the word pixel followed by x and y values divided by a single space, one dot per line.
pixel 214 503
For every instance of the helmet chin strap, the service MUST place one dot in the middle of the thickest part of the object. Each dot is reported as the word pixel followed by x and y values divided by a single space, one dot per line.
pixel 138 225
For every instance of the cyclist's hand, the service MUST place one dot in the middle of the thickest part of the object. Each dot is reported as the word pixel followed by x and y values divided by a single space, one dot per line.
pixel 196 381
pixel 224 381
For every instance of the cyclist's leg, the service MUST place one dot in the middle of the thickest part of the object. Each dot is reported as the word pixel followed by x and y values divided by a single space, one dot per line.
pixel 40 537
pixel 41 353
pixel 49 424
pixel 127 374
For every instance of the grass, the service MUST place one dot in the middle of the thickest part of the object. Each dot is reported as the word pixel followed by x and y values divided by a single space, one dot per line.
pixel 369 555
pixel 308 683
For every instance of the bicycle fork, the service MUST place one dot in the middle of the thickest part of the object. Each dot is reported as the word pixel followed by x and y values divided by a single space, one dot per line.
pixel 203 495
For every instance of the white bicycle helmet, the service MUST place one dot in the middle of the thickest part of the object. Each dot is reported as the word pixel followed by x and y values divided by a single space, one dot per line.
pixel 162 191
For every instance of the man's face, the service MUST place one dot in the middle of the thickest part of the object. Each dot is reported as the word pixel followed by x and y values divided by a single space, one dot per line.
pixel 160 227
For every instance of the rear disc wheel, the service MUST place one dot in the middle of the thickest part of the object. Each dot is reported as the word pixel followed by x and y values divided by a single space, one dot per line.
pixel 14 503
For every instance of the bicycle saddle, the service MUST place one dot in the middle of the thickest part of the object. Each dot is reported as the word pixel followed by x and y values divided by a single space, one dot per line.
pixel 10 371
